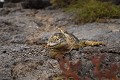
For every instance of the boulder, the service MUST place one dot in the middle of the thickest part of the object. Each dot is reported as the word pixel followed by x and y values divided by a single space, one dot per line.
pixel 117 2
pixel 29 4
pixel 13 1
pixel 1 4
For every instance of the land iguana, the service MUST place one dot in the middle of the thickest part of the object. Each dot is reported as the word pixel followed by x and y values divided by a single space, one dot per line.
pixel 63 42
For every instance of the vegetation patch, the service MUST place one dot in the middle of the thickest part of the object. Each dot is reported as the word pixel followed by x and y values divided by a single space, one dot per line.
pixel 91 10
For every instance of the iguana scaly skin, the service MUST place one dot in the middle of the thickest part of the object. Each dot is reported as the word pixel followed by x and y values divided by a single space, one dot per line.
pixel 64 42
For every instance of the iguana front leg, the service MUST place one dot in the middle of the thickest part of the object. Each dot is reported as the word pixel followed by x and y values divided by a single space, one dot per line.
pixel 90 43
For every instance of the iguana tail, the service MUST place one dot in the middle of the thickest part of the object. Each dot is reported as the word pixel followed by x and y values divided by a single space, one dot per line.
pixel 90 43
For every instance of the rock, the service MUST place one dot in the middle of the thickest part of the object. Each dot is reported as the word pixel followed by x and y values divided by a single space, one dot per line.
pixel 32 4
pixel 26 69
pixel 4 12
pixel 1 4
pixel 117 2
pixel 31 61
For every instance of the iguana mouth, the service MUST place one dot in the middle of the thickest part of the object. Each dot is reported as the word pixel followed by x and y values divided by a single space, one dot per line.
pixel 52 44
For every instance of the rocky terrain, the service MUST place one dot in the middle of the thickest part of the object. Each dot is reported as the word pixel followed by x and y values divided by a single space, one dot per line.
pixel 24 32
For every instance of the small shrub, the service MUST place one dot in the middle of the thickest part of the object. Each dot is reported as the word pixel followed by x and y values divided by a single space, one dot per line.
pixel 93 10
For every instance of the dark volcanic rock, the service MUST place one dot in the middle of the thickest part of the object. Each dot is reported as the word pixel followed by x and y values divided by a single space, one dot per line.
pixel 32 4
pixel 14 1
pixel 117 2
pixel 25 32
pixel 1 4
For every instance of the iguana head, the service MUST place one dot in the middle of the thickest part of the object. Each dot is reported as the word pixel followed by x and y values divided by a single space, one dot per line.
pixel 56 39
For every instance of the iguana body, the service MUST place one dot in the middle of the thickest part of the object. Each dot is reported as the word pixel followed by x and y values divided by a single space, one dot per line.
pixel 64 42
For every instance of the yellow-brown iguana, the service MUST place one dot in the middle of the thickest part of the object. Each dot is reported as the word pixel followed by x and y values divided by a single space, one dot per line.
pixel 63 42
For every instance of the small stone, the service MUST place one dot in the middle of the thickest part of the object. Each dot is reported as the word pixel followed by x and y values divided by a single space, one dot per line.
pixel 43 50
pixel 30 53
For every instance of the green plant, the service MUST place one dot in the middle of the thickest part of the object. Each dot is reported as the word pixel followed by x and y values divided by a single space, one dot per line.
pixel 93 10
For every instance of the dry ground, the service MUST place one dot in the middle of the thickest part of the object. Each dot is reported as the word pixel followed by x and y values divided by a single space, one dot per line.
pixel 24 32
